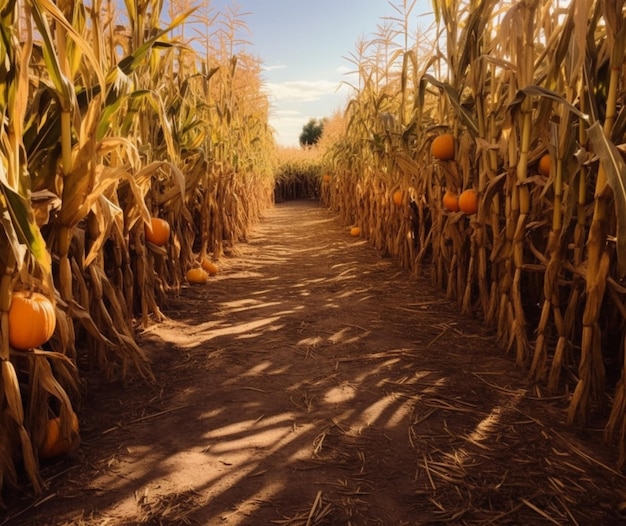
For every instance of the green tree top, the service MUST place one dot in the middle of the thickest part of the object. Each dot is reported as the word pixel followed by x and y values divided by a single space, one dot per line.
pixel 311 132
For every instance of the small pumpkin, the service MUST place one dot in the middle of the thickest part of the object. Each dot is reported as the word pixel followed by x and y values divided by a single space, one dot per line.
pixel 398 197
pixel 468 202
pixel 355 231
pixel 544 164
pixel 450 201
pixel 442 147
pixel 197 276
pixel 326 178
pixel 158 232
pixel 55 444
pixel 32 320
pixel 209 266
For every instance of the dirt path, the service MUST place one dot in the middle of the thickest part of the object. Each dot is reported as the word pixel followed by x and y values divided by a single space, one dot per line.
pixel 315 383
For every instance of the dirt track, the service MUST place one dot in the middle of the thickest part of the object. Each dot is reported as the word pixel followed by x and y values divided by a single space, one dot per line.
pixel 313 382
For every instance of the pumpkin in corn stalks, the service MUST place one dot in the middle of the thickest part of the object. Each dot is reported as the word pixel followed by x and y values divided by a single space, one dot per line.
pixel 158 232
pixel 209 266
pixel 544 164
pixel 355 231
pixel 442 147
pixel 468 202
pixel 398 197
pixel 197 276
pixel 450 201
pixel 55 444
pixel 32 320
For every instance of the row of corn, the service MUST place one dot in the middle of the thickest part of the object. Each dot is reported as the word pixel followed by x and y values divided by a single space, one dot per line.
pixel 110 119
pixel 531 97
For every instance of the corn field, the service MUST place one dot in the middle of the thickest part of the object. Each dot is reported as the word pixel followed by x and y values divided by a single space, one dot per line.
pixel 542 260
pixel 298 175
pixel 111 118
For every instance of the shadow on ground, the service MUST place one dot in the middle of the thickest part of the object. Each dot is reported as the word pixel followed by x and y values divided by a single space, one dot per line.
pixel 313 382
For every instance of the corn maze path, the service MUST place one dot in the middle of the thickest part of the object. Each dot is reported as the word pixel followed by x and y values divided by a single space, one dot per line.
pixel 314 382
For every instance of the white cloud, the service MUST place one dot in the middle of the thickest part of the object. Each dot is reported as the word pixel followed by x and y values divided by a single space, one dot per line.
pixel 272 68
pixel 301 90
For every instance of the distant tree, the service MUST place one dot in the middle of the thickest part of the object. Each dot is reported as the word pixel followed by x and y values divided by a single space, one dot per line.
pixel 311 132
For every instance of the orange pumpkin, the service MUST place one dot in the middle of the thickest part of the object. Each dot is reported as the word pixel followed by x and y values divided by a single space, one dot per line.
pixel 32 320
pixel 442 147
pixel 355 231
pixel 197 276
pixel 209 266
pixel 544 164
pixel 158 232
pixel 450 201
pixel 54 443
pixel 326 178
pixel 468 201
pixel 398 197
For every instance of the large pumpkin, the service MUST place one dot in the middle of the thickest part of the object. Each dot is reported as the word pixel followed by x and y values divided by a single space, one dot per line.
pixel 442 147
pixel 158 232
pixel 468 202
pixel 32 320
pixel 55 444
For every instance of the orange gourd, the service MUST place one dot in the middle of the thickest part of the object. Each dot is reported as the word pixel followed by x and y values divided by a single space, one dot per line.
pixel 326 178
pixel 450 201
pixel 355 231
pixel 55 444
pixel 158 232
pixel 197 276
pixel 468 202
pixel 32 320
pixel 398 197
pixel 544 164
pixel 209 266
pixel 442 147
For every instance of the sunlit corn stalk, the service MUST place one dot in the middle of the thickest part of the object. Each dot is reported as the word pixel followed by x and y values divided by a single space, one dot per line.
pixel 590 387
pixel 564 75
pixel 484 86
pixel 576 202
pixel 518 25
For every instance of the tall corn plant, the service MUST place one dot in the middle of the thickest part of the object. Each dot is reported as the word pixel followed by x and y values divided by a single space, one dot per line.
pixel 237 181
pixel 609 199
pixel 19 233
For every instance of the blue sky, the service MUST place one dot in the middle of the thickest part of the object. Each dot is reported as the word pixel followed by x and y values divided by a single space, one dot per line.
pixel 302 44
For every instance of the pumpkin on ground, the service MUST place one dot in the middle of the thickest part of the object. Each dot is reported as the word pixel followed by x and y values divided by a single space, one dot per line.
pixel 32 320
pixel 209 266
pixel 442 147
pixel 55 444
pixel 450 201
pixel 197 276
pixel 468 202
pixel 398 197
pixel 355 231
pixel 158 232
